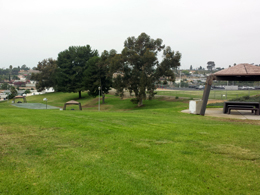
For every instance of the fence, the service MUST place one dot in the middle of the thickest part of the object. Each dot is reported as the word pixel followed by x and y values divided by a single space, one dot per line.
pixel 214 94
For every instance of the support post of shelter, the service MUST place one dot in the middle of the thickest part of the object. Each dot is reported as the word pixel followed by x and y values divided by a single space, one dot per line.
pixel 17 97
pixel 205 96
pixel 80 108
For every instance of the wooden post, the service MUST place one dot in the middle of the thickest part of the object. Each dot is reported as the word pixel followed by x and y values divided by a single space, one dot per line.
pixel 205 96
pixel 80 108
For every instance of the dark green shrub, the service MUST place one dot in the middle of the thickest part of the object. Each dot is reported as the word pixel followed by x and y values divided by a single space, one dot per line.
pixel 27 91
pixel 134 100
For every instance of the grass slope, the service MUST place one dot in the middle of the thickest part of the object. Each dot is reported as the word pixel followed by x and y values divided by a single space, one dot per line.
pixel 155 149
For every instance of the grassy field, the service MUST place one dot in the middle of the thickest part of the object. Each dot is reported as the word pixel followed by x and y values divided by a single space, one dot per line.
pixel 123 149
pixel 214 94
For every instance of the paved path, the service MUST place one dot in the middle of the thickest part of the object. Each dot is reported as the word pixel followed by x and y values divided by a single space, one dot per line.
pixel 236 114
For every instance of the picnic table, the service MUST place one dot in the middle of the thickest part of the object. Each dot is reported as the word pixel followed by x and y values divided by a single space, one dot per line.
pixel 233 105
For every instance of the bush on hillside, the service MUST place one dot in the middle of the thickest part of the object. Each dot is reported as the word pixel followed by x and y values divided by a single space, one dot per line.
pixel 134 100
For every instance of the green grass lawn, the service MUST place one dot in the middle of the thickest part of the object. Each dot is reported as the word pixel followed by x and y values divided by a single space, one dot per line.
pixel 123 149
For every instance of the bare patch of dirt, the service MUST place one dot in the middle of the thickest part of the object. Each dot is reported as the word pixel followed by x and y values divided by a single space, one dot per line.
pixel 242 121
pixel 169 98
pixel 215 101
pixel 91 103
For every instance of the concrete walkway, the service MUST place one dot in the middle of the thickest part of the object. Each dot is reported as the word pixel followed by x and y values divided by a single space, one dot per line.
pixel 236 114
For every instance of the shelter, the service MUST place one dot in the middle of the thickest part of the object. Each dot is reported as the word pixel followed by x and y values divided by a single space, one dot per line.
pixel 17 97
pixel 72 102
pixel 240 72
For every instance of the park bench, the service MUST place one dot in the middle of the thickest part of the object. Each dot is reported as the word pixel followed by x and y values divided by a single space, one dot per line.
pixel 240 106
pixel 235 105
pixel 244 108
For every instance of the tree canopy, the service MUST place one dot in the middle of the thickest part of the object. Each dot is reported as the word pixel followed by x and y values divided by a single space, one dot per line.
pixel 97 75
pixel 46 77
pixel 13 92
pixel 71 67
pixel 138 68
pixel 5 86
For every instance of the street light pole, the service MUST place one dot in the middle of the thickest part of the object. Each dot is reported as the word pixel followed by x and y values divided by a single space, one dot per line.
pixel 180 80
pixel 98 98
pixel 45 99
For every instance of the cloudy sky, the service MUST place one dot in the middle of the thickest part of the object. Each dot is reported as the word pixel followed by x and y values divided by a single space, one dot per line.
pixel 223 31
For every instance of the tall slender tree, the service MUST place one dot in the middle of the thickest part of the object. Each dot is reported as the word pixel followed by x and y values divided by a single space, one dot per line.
pixel 10 74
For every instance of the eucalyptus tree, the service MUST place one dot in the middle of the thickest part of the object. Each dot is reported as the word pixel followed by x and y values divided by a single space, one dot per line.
pixel 138 68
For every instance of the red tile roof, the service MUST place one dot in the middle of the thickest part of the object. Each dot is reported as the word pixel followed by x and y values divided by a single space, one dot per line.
pixel 239 70
pixel 72 102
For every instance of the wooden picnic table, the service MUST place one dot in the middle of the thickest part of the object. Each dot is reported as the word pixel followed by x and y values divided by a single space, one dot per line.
pixel 239 104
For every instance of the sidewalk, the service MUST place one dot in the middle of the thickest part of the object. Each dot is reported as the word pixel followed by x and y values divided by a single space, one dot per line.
pixel 236 114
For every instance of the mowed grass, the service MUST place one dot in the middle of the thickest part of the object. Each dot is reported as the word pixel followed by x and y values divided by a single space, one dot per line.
pixel 123 149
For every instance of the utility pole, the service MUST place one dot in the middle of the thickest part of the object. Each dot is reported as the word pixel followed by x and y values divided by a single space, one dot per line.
pixel 180 80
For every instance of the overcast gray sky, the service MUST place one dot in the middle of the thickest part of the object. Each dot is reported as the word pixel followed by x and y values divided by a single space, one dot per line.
pixel 223 31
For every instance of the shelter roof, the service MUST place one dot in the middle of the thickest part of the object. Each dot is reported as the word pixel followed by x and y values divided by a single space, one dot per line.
pixel 19 96
pixel 239 70
pixel 72 102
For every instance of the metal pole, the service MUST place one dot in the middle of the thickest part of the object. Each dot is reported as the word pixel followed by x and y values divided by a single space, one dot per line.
pixel 180 80
pixel 99 99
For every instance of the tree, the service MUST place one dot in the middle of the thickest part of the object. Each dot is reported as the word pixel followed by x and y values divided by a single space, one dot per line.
pixel 186 72
pixel 16 77
pixel 13 93
pixel 191 67
pixel 97 75
pixel 138 66
pixel 10 67
pixel 5 86
pixel 27 91
pixel 46 77
pixel 24 67
pixel 71 66
pixel 15 71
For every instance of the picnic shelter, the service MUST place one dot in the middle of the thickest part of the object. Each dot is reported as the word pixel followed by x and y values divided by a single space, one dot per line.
pixel 72 102
pixel 240 72
pixel 18 97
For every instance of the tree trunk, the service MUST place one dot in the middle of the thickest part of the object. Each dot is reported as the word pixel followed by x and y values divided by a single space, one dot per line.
pixel 79 94
pixel 103 98
pixel 140 103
